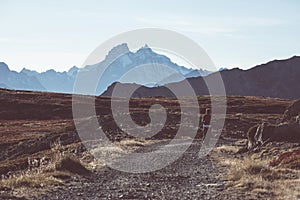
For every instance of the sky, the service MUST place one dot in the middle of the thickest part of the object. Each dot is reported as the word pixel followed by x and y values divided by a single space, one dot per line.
pixel 58 34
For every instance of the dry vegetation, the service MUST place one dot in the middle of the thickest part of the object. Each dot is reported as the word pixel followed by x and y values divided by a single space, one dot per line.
pixel 46 172
pixel 61 164
pixel 254 174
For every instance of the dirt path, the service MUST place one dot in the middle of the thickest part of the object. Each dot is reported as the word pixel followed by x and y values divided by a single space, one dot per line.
pixel 189 177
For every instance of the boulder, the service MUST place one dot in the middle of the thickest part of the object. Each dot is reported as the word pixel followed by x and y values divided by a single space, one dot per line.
pixel 292 112
pixel 284 132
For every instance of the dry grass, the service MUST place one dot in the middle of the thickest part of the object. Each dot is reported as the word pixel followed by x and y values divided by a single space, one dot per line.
pixel 289 159
pixel 61 166
pixel 106 151
pixel 257 178
pixel 109 152
pixel 31 180
pixel 247 167
pixel 227 149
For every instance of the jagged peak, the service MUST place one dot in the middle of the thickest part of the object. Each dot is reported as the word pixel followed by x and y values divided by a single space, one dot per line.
pixel 145 49
pixel 26 70
pixel 117 51
pixel 72 69
pixel 4 66
pixel 52 71
pixel 146 46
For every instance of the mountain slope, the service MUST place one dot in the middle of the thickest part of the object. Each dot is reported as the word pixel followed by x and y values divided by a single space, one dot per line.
pixel 278 78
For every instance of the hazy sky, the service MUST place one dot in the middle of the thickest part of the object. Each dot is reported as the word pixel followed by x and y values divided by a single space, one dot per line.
pixel 58 34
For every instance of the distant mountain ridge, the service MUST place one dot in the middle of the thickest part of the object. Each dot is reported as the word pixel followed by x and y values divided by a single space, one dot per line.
pixel 54 81
pixel 14 80
pixel 144 67
pixel 120 59
pixel 277 79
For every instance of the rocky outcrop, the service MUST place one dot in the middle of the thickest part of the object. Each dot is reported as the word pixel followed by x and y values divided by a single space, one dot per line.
pixel 292 112
pixel 285 132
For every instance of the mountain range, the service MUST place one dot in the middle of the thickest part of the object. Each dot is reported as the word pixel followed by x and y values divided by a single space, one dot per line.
pixel 119 60
pixel 277 79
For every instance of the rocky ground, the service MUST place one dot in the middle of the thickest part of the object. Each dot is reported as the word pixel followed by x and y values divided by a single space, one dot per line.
pixel 189 177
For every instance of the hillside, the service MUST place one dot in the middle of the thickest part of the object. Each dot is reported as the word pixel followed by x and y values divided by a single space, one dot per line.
pixel 276 79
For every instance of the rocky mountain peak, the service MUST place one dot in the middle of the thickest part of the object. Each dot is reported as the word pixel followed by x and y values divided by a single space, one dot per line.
pixel 117 51
pixel 4 68
pixel 72 69
pixel 145 50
